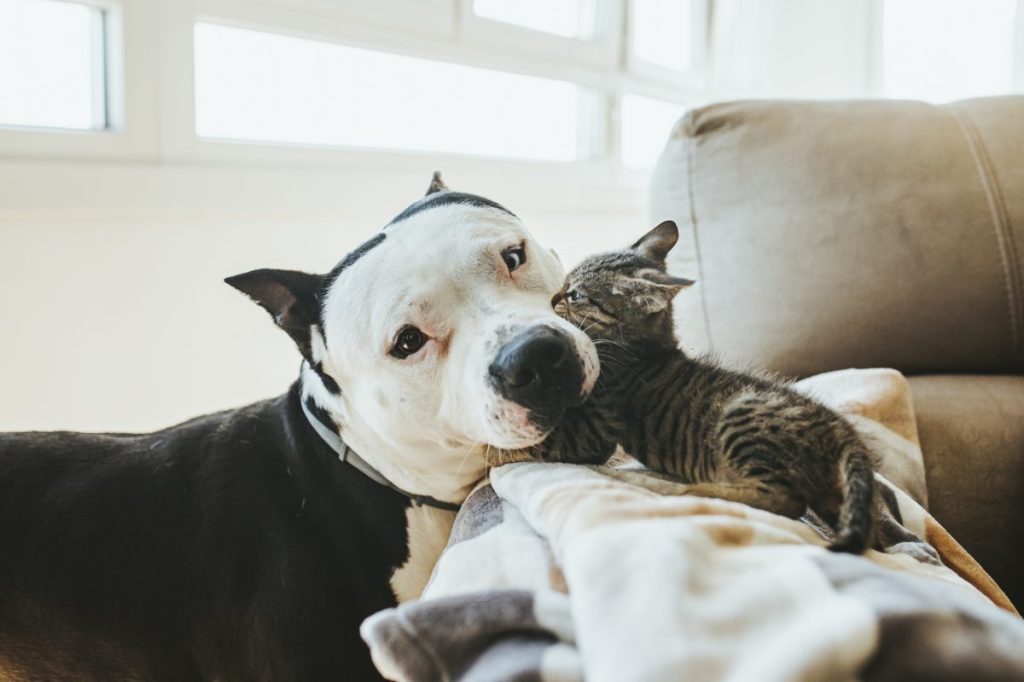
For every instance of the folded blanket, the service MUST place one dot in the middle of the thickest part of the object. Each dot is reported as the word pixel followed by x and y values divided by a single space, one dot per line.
pixel 558 572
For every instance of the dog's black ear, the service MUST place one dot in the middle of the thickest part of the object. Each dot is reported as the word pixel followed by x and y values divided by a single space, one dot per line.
pixel 658 242
pixel 436 184
pixel 289 296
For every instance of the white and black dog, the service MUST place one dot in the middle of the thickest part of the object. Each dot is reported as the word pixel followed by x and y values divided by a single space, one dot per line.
pixel 250 544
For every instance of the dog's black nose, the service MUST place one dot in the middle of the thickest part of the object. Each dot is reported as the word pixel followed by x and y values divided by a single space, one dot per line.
pixel 540 370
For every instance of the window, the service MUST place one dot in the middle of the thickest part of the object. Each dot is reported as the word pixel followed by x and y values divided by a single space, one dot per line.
pixel 536 80
pixel 567 18
pixel 941 50
pixel 646 123
pixel 52 72
pixel 264 87
pixel 661 33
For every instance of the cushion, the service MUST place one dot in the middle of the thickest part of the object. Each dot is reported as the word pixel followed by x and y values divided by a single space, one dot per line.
pixel 972 438
pixel 850 234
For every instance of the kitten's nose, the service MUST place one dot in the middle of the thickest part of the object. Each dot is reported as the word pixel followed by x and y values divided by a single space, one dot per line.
pixel 540 370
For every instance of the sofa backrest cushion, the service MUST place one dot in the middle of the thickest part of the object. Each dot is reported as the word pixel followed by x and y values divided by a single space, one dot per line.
pixel 826 235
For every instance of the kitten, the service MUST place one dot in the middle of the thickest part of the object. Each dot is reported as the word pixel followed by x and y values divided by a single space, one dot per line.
pixel 729 435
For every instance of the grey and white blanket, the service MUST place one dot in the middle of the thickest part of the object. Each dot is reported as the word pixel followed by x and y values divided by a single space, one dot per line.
pixel 558 573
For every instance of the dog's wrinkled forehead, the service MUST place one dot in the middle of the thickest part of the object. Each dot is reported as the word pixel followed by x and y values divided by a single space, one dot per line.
pixel 437 251
pixel 441 198
pixel 416 214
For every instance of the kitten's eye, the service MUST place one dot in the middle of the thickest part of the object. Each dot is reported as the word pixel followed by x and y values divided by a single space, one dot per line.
pixel 573 295
pixel 408 341
pixel 514 257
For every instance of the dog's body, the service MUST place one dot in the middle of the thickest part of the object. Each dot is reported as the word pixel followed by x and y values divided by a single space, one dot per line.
pixel 235 546
pixel 238 545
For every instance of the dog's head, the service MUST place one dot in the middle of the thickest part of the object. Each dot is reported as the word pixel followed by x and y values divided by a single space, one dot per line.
pixel 435 339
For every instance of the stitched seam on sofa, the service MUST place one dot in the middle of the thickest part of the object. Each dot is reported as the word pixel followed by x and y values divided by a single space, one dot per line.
pixel 690 145
pixel 1000 223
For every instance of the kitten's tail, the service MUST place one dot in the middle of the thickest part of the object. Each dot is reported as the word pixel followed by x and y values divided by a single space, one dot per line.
pixel 855 529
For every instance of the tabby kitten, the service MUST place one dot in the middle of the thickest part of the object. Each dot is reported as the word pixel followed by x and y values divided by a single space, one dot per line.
pixel 729 435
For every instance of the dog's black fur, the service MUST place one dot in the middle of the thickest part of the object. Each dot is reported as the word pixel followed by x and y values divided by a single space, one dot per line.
pixel 234 546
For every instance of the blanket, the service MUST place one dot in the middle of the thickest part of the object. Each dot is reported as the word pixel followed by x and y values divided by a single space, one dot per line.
pixel 560 572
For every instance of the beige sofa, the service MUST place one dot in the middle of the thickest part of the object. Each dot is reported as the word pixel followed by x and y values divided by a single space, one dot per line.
pixel 826 235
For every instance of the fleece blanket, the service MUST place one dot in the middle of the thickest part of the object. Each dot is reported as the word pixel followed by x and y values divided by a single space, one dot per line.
pixel 559 572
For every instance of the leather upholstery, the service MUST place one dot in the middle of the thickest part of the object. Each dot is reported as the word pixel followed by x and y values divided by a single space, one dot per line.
pixel 851 234
pixel 972 438
pixel 827 235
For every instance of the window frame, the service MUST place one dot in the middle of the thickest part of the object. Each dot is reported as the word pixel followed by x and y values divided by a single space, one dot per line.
pixel 103 63
pixel 600 51
pixel 151 94
pixel 695 78
pixel 130 114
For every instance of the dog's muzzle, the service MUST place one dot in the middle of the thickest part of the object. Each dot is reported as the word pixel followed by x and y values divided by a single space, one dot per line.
pixel 540 370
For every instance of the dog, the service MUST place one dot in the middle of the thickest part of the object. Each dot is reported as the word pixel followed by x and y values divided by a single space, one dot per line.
pixel 250 544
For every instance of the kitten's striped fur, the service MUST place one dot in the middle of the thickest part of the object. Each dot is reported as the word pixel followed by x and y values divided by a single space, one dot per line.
pixel 728 434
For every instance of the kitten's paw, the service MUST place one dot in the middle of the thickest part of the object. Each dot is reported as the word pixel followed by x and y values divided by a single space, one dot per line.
pixel 921 551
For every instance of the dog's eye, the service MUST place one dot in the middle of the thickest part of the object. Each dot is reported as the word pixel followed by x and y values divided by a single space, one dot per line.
pixel 408 342
pixel 573 295
pixel 514 257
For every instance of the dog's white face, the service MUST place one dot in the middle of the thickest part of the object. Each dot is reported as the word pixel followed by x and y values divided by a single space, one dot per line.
pixel 442 340
pixel 439 285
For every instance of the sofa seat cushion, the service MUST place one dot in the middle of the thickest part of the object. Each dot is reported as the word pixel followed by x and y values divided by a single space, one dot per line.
pixel 972 437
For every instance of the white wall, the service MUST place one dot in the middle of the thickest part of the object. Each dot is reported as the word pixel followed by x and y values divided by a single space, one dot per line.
pixel 114 315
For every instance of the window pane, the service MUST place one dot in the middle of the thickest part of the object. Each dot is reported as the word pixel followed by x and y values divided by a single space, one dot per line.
pixel 662 32
pixel 265 87
pixel 646 123
pixel 51 56
pixel 567 18
pixel 939 50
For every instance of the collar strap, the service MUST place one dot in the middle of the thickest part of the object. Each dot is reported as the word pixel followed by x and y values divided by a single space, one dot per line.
pixel 350 457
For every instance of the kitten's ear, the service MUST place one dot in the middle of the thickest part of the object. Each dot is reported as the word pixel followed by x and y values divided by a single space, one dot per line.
pixel 657 290
pixel 667 281
pixel 289 296
pixel 658 242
